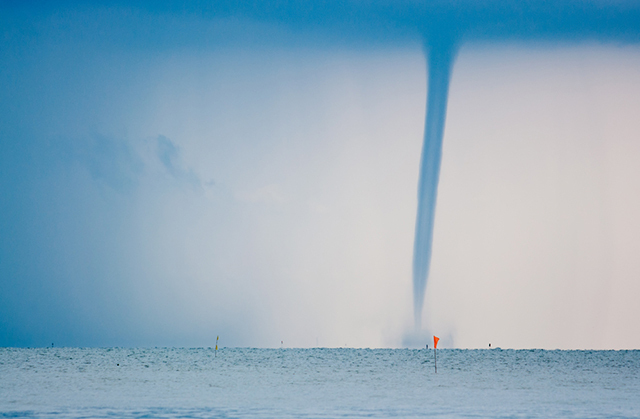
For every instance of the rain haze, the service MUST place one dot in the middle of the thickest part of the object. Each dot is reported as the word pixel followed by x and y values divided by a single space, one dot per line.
pixel 169 174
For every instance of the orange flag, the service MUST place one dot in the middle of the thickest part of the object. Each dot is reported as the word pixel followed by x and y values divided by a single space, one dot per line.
pixel 435 342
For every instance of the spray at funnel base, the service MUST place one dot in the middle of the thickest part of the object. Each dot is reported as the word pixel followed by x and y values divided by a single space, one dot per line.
pixel 439 60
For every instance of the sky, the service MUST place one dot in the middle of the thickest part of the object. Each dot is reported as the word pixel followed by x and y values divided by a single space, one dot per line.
pixel 171 175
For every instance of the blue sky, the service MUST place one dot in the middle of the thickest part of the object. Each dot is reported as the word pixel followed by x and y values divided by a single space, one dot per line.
pixel 171 174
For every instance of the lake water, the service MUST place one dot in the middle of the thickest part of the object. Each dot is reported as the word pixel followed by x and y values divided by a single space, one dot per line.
pixel 317 383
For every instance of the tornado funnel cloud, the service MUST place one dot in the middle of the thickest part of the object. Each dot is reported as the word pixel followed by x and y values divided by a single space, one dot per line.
pixel 439 61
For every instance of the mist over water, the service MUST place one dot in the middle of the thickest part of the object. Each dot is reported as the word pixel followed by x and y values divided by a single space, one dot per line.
pixel 174 171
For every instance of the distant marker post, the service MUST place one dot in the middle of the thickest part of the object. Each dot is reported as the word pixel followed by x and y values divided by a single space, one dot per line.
pixel 216 351
pixel 435 353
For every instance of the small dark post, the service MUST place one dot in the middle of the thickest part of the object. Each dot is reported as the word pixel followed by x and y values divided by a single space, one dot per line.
pixel 435 352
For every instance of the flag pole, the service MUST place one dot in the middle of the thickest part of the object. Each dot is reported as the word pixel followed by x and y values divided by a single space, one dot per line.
pixel 435 352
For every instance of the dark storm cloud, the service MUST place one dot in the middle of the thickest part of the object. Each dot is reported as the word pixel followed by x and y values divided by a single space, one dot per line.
pixel 148 24
pixel 468 19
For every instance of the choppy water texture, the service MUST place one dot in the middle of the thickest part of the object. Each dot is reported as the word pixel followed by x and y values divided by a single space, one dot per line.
pixel 317 383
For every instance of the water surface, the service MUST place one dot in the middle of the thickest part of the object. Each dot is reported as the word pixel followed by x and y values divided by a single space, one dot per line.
pixel 317 383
